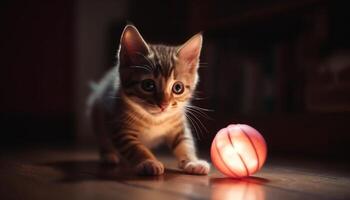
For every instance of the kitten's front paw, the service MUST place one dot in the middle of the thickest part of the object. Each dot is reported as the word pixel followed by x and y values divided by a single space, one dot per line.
pixel 199 167
pixel 150 168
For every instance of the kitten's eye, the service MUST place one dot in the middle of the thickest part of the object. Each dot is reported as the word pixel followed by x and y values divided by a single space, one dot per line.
pixel 178 87
pixel 148 85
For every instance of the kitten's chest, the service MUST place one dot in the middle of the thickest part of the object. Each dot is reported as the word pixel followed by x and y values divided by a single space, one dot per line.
pixel 152 135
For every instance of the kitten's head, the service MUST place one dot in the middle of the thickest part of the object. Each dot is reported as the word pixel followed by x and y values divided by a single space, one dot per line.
pixel 158 78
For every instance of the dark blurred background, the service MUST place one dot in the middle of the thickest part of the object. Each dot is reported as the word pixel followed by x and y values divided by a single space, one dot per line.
pixel 281 66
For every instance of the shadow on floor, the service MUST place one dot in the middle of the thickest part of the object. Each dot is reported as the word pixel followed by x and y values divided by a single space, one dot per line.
pixel 75 171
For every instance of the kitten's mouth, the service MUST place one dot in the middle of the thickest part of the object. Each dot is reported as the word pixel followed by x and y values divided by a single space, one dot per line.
pixel 158 111
pixel 155 109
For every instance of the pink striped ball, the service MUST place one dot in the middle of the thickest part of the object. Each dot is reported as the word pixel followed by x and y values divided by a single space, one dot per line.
pixel 238 151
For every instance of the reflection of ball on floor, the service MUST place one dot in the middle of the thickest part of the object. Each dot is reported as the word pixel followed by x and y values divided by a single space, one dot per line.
pixel 237 189
pixel 238 150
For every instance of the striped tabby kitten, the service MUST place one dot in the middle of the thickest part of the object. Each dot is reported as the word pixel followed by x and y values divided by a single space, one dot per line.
pixel 141 103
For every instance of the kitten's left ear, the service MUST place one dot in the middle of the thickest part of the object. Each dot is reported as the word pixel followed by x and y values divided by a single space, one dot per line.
pixel 132 40
pixel 132 45
pixel 191 50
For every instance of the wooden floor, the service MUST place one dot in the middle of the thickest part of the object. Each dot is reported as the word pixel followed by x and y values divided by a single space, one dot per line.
pixel 76 174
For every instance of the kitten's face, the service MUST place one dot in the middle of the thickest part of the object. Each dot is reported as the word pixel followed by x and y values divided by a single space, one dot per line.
pixel 159 78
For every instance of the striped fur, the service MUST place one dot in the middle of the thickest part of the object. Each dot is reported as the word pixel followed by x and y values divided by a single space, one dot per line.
pixel 129 121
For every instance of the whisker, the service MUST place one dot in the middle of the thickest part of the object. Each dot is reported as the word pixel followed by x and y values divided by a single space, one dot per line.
pixel 195 96
pixel 204 109
pixel 195 93
pixel 197 111
pixel 196 127
pixel 201 113
pixel 196 120
pixel 199 98
pixel 193 125
pixel 200 123
pixel 199 128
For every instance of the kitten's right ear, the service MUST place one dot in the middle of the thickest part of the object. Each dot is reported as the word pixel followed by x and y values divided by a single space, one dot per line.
pixel 132 43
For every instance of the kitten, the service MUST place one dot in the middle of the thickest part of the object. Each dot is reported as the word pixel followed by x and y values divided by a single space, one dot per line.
pixel 141 103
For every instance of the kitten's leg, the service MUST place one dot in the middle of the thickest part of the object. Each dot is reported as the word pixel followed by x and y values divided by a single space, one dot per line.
pixel 131 148
pixel 108 154
pixel 183 147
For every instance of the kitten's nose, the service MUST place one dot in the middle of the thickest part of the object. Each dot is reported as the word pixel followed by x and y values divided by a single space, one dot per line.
pixel 163 105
